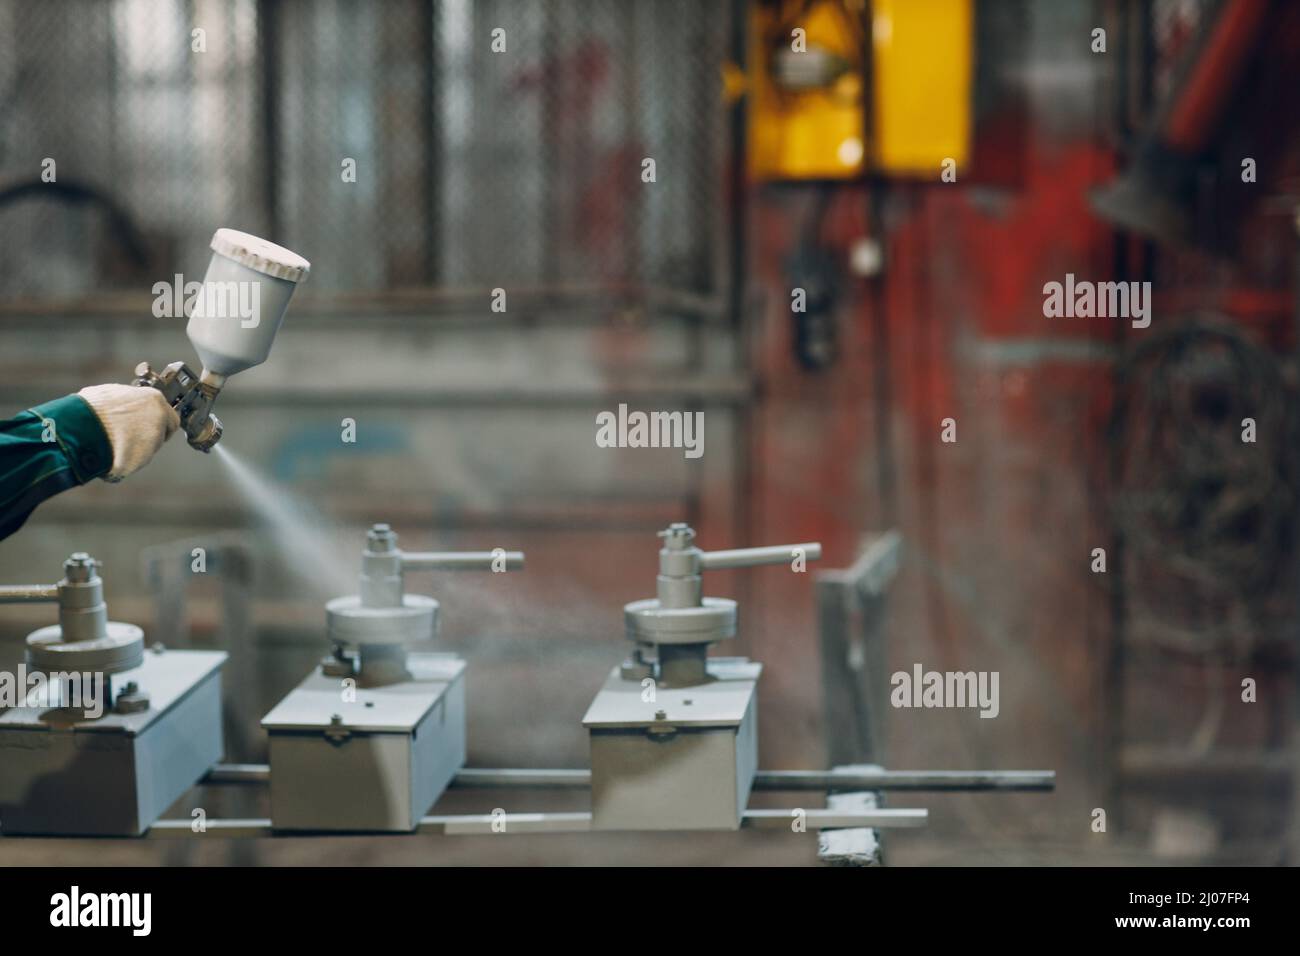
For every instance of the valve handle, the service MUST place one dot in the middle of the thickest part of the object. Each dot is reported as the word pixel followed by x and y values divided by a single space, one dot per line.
pixel 461 560
pixel 28 593
pixel 749 557
pixel 680 556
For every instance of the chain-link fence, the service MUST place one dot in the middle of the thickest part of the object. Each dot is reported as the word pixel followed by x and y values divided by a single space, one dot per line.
pixel 399 143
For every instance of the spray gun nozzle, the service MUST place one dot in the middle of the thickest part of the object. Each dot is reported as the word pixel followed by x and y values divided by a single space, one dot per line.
pixel 209 435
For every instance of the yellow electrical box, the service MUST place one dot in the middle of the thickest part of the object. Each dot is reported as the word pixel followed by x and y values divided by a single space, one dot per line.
pixel 922 59
pixel 807 80
pixel 806 125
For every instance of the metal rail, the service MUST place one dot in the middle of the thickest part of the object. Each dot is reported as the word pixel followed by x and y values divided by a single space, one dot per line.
pixel 524 823
pixel 470 778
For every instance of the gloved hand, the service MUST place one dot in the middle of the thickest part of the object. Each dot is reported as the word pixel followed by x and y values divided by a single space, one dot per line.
pixel 137 421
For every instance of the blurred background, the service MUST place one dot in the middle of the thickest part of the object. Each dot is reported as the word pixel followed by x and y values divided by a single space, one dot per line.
pixel 920 170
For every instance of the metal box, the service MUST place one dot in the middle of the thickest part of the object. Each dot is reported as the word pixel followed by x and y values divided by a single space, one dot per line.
pixel 682 761
pixel 375 763
pixel 113 776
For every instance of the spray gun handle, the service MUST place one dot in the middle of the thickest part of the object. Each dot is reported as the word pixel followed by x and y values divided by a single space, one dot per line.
pixel 749 557
pixel 175 381
pixel 462 560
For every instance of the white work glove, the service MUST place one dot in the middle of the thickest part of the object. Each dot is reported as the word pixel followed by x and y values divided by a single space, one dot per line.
pixel 137 420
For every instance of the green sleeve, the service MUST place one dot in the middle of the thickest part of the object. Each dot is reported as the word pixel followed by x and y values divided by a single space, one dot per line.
pixel 45 450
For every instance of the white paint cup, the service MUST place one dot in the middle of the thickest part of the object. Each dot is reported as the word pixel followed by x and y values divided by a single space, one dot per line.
pixel 245 292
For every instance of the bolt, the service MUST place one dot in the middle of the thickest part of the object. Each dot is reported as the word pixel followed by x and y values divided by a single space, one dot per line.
pixel 79 568
pixel 677 535
pixel 661 715
pixel 381 539
pixel 336 733
pixel 131 700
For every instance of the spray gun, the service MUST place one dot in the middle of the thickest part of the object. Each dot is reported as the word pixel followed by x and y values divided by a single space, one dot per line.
pixel 236 315
pixel 679 624
pixel 382 619
pixel 190 396
pixel 84 641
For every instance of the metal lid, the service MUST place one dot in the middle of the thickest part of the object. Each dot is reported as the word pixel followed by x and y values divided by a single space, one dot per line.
pixel 260 255
pixel 120 649
pixel 649 622
pixel 352 624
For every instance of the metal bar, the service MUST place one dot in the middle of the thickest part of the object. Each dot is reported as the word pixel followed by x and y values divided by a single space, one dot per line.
pixel 830 818
pixel 516 823
pixel 786 780
pixel 170 829
pixel 721 392
pixel 914 780
pixel 268 41
pixel 576 304
pixel 239 773
pixel 749 557
pixel 28 593
pixel 1207 88
pixel 874 568
pixel 431 139
pixel 478 778
pixel 494 823
pixel 459 560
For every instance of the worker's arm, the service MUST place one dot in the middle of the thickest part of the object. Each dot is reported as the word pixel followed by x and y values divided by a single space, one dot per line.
pixel 104 431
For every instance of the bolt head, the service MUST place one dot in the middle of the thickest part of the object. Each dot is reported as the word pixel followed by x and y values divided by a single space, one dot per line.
pixel 381 539
pixel 677 535
pixel 80 567
pixel 131 700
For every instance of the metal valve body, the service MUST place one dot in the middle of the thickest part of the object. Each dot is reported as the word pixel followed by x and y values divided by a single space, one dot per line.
pixel 111 766
pixel 673 732
pixel 678 625
pixel 381 620
pixel 387 718
pixel 84 641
